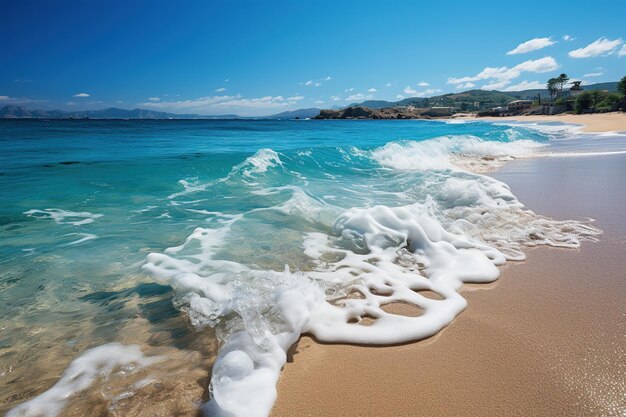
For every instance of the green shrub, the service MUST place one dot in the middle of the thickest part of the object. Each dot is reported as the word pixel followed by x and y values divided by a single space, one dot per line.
pixel 621 86
pixel 609 102
pixel 584 101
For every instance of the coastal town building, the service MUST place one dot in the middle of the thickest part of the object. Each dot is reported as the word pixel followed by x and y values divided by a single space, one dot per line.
pixel 440 111
pixel 519 105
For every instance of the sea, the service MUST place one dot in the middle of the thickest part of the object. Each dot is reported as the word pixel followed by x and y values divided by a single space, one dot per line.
pixel 133 251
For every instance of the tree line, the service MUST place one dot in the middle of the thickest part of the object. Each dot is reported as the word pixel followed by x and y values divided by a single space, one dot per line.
pixel 587 101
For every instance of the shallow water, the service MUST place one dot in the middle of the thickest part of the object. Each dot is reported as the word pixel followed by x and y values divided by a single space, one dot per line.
pixel 182 236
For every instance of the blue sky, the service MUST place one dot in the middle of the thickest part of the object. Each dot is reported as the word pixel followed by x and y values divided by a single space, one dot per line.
pixel 258 58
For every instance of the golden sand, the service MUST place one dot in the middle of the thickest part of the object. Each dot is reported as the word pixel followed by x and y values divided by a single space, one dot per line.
pixel 600 122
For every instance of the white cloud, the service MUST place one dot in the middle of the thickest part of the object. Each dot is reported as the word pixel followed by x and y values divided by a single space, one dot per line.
pixel 359 97
pixel 154 99
pixel 428 92
pixel 593 74
pixel 335 98
pixel 622 51
pixel 465 85
pixel 423 84
pixel 219 103
pixel 372 90
pixel 81 95
pixel 3 98
pixel 411 92
pixel 388 85
pixel 319 101
pixel 220 90
pixel 498 85
pixel 400 97
pixel 525 85
pixel 502 76
pixel 318 82
pixel 601 47
pixel 347 90
pixel 568 38
pixel 70 103
pixel 119 101
pixel 227 80
pixel 531 45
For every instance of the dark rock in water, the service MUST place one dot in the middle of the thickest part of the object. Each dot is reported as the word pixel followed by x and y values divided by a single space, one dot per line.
pixel 360 112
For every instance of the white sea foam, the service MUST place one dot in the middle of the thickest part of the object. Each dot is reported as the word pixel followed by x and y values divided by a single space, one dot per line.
pixel 579 154
pixel 370 259
pixel 84 238
pixel 553 130
pixel 258 163
pixel 452 152
pixel 254 165
pixel 64 216
pixel 95 363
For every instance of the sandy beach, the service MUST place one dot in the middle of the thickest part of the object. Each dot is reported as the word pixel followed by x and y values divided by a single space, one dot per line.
pixel 546 339
pixel 600 122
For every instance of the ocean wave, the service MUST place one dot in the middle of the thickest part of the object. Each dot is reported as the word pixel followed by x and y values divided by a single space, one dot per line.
pixel 365 263
pixel 453 152
pixel 64 216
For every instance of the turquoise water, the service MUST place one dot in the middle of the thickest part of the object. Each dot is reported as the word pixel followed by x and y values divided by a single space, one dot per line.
pixel 84 203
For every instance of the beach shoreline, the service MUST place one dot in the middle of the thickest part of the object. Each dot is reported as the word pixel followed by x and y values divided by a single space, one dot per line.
pixel 591 123
pixel 544 339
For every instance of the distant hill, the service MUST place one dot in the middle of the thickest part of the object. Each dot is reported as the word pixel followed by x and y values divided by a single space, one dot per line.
pixel 300 113
pixel 473 100
pixel 374 104
pixel 12 112
pixel 532 94
pixel 467 100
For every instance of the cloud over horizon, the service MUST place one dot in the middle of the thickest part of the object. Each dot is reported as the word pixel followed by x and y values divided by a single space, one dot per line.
pixel 219 103
pixel 359 97
pixel 82 95
pixel 501 77
pixel 414 93
pixel 525 85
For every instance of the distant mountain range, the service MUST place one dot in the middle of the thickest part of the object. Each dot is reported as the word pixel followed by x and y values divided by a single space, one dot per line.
pixel 299 114
pixel 467 101
pixel 18 112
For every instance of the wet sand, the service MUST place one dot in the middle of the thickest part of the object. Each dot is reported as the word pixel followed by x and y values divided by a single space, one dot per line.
pixel 601 122
pixel 546 339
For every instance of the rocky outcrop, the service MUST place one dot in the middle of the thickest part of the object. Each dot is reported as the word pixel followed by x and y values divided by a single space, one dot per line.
pixel 360 112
